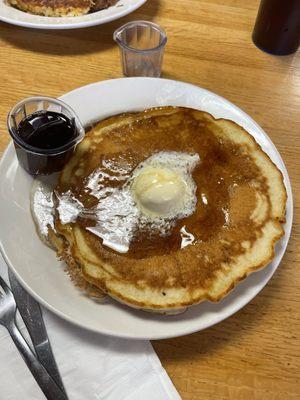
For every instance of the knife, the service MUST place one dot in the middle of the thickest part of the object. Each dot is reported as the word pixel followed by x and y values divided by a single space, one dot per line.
pixel 33 319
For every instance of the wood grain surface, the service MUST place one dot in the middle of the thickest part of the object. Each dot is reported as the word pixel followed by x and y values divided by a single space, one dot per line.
pixel 255 354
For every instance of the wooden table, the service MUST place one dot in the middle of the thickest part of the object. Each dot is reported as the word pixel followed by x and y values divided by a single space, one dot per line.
pixel 255 354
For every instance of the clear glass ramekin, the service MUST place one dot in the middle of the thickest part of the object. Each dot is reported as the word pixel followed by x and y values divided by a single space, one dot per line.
pixel 37 160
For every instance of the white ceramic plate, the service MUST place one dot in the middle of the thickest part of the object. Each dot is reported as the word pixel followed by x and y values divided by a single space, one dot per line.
pixel 16 17
pixel 43 276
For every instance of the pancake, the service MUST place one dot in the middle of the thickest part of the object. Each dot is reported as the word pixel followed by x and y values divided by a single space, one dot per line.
pixel 231 232
pixel 73 269
pixel 60 8
pixel 42 207
pixel 53 8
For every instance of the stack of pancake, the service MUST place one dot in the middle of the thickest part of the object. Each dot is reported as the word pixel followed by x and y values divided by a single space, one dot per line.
pixel 231 232
pixel 61 8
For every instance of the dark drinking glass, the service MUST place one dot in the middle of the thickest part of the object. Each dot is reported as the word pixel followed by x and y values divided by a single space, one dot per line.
pixel 277 26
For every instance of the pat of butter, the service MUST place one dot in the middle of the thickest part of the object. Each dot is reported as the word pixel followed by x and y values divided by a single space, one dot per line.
pixel 158 190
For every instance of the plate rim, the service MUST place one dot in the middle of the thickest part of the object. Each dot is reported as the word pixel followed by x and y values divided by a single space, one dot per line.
pixel 66 25
pixel 236 306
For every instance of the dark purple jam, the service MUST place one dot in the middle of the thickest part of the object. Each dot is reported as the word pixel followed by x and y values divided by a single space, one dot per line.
pixel 47 130
pixel 45 141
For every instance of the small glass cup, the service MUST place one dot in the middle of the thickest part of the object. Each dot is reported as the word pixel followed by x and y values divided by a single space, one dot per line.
pixel 37 160
pixel 142 45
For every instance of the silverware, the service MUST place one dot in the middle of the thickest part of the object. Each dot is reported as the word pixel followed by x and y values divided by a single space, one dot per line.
pixel 32 316
pixel 7 318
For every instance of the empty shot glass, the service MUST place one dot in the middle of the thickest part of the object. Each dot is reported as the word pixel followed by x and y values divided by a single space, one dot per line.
pixel 142 45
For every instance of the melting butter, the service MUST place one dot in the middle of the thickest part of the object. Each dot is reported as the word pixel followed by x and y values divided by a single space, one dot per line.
pixel 69 208
pixel 159 191
pixel 187 238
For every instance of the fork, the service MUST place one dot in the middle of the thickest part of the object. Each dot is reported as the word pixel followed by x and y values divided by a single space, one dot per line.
pixel 8 319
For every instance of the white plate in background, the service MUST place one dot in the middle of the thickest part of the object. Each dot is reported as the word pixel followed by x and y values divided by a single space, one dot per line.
pixel 43 275
pixel 14 16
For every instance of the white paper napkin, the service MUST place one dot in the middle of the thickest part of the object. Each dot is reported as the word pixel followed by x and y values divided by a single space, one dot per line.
pixel 92 366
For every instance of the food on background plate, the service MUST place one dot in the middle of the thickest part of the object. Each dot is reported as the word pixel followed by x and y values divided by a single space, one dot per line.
pixel 99 5
pixel 61 8
pixel 165 208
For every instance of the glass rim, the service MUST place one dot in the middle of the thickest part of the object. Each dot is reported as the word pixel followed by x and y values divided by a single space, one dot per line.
pixel 36 150
pixel 140 22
